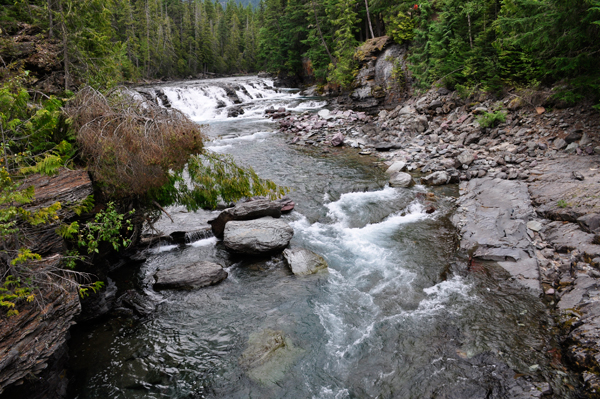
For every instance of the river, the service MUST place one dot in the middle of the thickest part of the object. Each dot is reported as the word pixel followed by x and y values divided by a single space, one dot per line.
pixel 398 315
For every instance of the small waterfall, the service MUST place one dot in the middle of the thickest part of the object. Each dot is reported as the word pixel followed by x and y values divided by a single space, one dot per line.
pixel 217 99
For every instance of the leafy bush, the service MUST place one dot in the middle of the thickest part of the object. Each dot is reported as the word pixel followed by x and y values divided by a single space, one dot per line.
pixel 136 149
pixel 491 119
pixel 400 27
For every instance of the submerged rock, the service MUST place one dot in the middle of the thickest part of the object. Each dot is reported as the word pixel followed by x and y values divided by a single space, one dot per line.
pixel 256 237
pixel 268 356
pixel 304 262
pixel 187 277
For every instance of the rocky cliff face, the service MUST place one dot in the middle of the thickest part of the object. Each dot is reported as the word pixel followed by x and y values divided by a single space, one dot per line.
pixel 383 77
pixel 30 340
pixel 22 46
pixel 32 343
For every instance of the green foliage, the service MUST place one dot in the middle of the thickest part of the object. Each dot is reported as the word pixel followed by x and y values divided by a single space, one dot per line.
pixel 344 70
pixel 562 203
pixel 491 119
pixel 400 27
pixel 34 135
pixel 216 177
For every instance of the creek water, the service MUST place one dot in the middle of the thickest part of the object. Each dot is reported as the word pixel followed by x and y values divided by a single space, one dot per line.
pixel 398 314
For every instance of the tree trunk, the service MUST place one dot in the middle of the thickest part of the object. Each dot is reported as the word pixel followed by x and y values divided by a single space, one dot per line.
pixel 321 35
pixel 51 27
pixel 65 43
pixel 369 18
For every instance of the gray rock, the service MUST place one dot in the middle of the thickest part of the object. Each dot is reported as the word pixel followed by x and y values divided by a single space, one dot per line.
pixel 245 211
pixel 401 179
pixel 397 166
pixel 585 140
pixel 304 262
pixel 436 179
pixel 573 137
pixel 492 218
pixel 572 147
pixel 337 139
pixel 268 356
pixel 325 114
pixel 465 157
pixel 261 236
pixel 187 277
pixel 559 143
pixel 534 225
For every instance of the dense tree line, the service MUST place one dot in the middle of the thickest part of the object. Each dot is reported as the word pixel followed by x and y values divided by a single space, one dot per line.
pixel 483 43
pixel 105 41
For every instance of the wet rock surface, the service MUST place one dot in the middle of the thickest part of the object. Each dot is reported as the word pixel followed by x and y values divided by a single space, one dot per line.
pixel 303 262
pixel 265 235
pixel 269 354
pixel 245 211
pixel 185 277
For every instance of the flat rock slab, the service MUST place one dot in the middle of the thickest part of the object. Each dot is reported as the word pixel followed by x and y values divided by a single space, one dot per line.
pixel 245 211
pixel 187 277
pixel 568 236
pixel 304 262
pixel 255 237
pixel 552 181
pixel 492 218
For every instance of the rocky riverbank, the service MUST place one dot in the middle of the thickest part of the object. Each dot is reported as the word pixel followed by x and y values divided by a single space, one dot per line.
pixel 529 190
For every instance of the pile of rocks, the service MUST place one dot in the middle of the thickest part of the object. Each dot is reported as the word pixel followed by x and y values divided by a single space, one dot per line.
pixel 254 227
pixel 323 128
pixel 439 135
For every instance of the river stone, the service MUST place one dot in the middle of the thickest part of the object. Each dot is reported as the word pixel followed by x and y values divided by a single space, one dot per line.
pixel 397 166
pixel 401 179
pixel 268 356
pixel 304 262
pixel 337 139
pixel 559 143
pixel 245 211
pixel 436 179
pixel 465 158
pixel 255 237
pixel 534 225
pixel 187 277
pixel 325 114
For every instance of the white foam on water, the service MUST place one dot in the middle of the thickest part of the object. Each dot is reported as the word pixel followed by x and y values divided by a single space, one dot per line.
pixel 311 104
pixel 366 272
pixel 331 393
pixel 219 148
pixel 206 242
pixel 346 207
pixel 248 137
pixel 197 102
pixel 163 248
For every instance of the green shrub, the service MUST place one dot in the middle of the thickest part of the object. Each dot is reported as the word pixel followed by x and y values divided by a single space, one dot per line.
pixel 491 119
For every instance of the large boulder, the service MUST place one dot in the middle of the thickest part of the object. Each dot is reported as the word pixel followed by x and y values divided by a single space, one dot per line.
pixel 304 262
pixel 401 179
pixel 187 277
pixel 245 211
pixel 255 237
